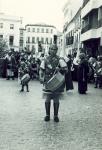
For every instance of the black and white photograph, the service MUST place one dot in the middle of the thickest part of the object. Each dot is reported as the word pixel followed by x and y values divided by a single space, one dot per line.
pixel 50 74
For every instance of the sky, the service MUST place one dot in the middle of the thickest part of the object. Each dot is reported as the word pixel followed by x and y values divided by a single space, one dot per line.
pixel 36 11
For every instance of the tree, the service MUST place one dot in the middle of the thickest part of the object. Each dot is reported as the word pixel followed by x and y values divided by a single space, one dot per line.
pixel 3 47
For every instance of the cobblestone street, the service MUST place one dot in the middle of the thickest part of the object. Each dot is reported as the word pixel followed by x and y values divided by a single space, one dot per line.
pixel 22 125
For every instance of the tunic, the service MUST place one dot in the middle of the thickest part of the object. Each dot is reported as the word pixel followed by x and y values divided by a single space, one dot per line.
pixel 49 68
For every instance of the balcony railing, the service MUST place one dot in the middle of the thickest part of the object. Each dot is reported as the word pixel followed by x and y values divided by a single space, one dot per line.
pixel 88 27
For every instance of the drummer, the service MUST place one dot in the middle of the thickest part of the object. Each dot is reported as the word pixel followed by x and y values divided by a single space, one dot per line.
pixel 49 66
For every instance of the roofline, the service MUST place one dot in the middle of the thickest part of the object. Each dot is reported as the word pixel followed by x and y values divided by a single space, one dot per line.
pixel 43 25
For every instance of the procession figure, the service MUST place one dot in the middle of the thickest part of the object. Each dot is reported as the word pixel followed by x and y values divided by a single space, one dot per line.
pixel 10 65
pixel 83 70
pixel 25 80
pixel 97 66
pixel 53 68
pixel 68 75
pixel 23 76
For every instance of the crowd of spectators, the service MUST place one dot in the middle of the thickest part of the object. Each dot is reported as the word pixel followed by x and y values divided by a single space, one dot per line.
pixel 13 64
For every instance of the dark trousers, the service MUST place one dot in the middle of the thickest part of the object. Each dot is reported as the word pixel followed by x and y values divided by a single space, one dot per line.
pixel 55 98
pixel 25 85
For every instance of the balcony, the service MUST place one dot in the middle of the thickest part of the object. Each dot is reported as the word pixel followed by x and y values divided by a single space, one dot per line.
pixel 90 34
pixel 86 28
pixel 89 27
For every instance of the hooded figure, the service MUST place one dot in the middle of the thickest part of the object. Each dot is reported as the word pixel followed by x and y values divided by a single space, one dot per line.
pixel 83 70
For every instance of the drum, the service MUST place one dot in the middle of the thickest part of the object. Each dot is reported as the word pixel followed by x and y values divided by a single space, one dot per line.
pixel 55 82
pixel 25 79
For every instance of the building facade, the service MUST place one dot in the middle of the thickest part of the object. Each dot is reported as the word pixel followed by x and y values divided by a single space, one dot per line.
pixel 69 38
pixel 72 32
pixel 38 37
pixel 60 43
pixel 77 45
pixel 22 39
pixel 91 34
pixel 9 30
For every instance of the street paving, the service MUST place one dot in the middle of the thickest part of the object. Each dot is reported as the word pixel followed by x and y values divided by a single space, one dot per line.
pixel 22 125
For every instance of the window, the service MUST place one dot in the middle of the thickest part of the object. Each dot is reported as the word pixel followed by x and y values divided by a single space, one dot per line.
pixel 42 30
pixel 33 29
pixel 28 30
pixel 21 38
pixel 33 48
pixel 28 39
pixel 21 32
pixel 33 39
pixel 51 30
pixel 11 26
pixel 11 40
pixel 51 41
pixel 38 30
pixel 1 25
pixel 47 30
pixel 42 40
pixel 46 41
pixel 1 37
pixel 37 39
pixel 21 41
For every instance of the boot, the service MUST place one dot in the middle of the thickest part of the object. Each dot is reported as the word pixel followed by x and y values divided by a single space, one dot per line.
pixel 47 107
pixel 27 88
pixel 22 88
pixel 13 78
pixel 8 78
pixel 96 83
pixel 56 108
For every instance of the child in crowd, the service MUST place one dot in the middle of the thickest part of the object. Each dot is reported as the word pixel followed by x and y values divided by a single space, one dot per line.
pixel 23 76
pixel 25 80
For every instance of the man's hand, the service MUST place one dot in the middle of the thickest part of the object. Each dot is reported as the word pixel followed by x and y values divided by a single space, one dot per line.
pixel 57 69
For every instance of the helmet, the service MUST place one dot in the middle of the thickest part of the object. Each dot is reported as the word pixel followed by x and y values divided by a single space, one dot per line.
pixel 54 46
